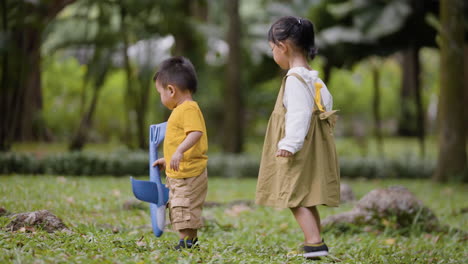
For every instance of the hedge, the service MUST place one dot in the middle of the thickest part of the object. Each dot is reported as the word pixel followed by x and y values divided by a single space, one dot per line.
pixel 126 163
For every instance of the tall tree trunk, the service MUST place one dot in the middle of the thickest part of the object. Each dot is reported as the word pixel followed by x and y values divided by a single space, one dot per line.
pixel 21 94
pixel 97 73
pixel 326 72
pixel 81 136
pixel 7 92
pixel 452 140
pixel 376 109
pixel 411 121
pixel 29 126
pixel 141 108
pixel 129 92
pixel 466 85
pixel 233 140
pixel 187 42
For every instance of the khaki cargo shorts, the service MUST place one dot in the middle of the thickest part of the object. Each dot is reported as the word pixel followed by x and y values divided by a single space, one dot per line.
pixel 186 199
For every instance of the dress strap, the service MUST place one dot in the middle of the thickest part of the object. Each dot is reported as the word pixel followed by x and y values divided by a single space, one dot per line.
pixel 317 85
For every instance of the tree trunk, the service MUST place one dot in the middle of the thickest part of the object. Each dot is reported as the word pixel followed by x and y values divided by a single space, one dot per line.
pixel 141 108
pixel 466 86
pixel 411 121
pixel 186 40
pixel 233 124
pixel 452 142
pixel 21 94
pixel 81 136
pixel 29 127
pixel 129 92
pixel 97 72
pixel 326 72
pixel 376 109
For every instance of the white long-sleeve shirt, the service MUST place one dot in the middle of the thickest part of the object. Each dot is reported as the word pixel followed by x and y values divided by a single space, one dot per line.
pixel 299 103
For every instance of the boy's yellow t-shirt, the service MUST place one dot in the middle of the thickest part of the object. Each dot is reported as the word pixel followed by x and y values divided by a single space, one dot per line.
pixel 186 118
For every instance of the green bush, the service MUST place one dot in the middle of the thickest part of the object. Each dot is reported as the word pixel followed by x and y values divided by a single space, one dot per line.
pixel 123 163
pixel 120 163
pixel 12 162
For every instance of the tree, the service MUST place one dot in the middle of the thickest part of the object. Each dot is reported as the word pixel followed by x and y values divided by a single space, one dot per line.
pixel 382 28
pixel 96 74
pixel 452 137
pixel 233 122
pixel 23 24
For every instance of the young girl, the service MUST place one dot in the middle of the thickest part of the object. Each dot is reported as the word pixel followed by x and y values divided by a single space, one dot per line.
pixel 299 167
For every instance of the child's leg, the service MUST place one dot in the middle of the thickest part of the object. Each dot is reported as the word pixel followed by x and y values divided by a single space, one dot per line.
pixel 309 221
pixel 188 233
pixel 316 214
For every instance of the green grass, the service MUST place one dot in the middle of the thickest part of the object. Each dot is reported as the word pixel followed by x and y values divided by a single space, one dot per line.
pixel 92 208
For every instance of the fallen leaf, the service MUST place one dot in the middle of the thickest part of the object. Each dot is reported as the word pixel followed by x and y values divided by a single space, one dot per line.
pixel 30 229
pixel 141 243
pixel 237 209
pixel 283 226
pixel 390 241
pixel 70 200
pixel 116 192
pixel 447 191
pixel 61 179
pixel 427 236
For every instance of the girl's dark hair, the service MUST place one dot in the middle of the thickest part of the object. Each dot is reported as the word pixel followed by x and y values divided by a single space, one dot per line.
pixel 299 31
pixel 177 71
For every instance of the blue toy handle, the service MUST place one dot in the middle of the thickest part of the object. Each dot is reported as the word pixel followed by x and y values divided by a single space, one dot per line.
pixel 154 191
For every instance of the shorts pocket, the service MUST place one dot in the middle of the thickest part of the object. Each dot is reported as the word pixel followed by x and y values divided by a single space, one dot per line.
pixel 180 210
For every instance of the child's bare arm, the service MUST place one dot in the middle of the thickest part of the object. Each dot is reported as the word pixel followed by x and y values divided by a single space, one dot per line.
pixel 188 142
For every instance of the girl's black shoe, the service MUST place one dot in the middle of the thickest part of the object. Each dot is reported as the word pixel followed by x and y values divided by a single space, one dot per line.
pixel 315 250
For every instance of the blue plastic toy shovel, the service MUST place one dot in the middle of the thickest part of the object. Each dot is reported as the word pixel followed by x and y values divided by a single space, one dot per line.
pixel 154 191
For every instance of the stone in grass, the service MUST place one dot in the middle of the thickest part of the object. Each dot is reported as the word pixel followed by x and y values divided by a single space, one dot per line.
pixel 394 207
pixel 42 219
pixel 134 204
pixel 3 212
pixel 346 193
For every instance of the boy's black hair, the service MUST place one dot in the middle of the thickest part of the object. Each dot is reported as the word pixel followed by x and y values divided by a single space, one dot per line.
pixel 178 71
pixel 299 31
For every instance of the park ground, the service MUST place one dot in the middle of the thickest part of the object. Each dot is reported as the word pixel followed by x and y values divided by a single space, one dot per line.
pixel 102 231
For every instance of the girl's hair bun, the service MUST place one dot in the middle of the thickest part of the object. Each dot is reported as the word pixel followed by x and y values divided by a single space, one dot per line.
pixel 312 52
pixel 300 31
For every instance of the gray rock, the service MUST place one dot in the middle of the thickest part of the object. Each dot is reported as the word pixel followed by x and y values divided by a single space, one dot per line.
pixel 394 207
pixel 42 219
pixel 3 211
pixel 134 204
pixel 346 193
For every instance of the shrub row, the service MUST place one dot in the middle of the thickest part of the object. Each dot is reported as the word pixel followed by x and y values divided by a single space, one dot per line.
pixel 76 163
pixel 220 165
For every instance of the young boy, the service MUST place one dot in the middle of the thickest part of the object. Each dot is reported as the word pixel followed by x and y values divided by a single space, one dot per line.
pixel 185 147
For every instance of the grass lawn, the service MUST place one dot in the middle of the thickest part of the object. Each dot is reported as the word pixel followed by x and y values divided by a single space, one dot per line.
pixel 103 232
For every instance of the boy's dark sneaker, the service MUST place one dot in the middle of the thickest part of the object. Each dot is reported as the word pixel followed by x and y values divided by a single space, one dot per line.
pixel 315 250
pixel 187 244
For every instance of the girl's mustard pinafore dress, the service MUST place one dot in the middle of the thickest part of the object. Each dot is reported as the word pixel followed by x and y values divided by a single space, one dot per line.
pixel 311 176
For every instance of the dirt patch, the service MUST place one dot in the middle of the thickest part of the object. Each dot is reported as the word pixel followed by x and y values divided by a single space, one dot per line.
pixel 30 221
pixel 134 205
pixel 3 212
pixel 394 207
